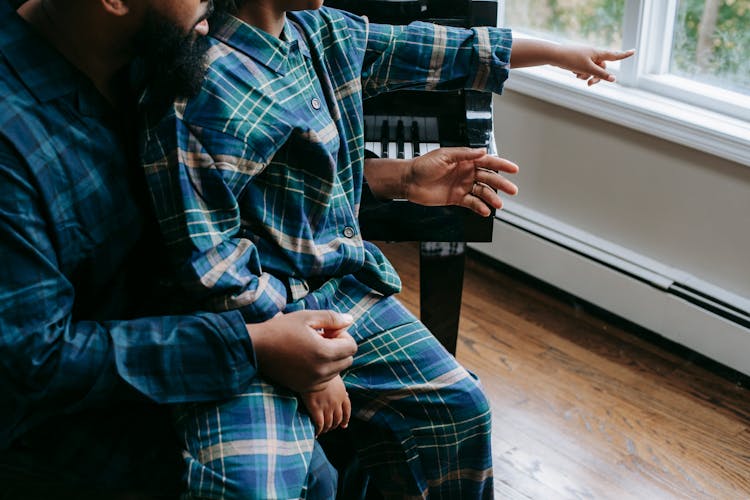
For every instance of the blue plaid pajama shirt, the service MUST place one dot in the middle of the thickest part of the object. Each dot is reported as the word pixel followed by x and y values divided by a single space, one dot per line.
pixel 256 183
pixel 81 364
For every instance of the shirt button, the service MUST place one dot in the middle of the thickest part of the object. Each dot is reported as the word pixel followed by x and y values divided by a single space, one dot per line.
pixel 315 103
pixel 349 232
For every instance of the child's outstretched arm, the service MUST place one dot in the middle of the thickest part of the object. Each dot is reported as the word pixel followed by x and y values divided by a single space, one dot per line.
pixel 328 408
pixel 587 63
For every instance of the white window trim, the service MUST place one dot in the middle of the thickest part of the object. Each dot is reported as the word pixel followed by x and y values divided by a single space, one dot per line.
pixel 640 110
pixel 704 117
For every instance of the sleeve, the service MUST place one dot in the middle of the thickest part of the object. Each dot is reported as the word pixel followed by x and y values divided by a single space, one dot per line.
pixel 53 364
pixel 195 176
pixel 424 56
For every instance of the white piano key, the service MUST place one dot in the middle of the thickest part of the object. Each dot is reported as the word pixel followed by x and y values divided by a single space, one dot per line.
pixel 392 150
pixel 408 151
pixel 430 146
pixel 370 146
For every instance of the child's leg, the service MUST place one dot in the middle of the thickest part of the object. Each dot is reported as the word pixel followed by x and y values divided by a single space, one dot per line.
pixel 256 445
pixel 421 422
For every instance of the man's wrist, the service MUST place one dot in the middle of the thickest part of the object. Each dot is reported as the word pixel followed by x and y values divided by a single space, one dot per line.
pixel 406 177
pixel 389 178
pixel 256 333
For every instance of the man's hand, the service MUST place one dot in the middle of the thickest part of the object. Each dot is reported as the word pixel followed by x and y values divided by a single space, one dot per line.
pixel 459 176
pixel 303 350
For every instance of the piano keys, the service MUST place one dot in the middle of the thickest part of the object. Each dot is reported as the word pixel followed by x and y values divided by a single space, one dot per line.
pixel 403 137
pixel 456 118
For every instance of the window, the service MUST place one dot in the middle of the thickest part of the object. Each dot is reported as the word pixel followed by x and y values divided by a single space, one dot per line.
pixel 695 52
pixel 596 22
pixel 711 43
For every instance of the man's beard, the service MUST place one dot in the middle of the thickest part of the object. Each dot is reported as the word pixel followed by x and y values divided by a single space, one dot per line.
pixel 174 62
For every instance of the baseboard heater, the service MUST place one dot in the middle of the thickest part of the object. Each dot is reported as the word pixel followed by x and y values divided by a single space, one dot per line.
pixel 713 304
pixel 666 300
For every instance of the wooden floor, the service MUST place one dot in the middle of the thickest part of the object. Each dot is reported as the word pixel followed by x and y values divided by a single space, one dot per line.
pixel 585 409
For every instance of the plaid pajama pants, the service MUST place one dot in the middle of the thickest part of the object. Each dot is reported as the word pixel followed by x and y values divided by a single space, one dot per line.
pixel 420 422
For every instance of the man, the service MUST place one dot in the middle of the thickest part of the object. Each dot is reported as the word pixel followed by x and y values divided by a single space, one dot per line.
pixel 83 370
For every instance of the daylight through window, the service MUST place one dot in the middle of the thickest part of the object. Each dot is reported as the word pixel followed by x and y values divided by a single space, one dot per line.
pixel 697 51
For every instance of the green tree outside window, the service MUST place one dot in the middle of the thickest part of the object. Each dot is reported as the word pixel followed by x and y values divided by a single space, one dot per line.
pixel 711 39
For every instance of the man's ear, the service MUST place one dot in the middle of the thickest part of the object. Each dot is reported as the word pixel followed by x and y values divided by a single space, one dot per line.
pixel 116 7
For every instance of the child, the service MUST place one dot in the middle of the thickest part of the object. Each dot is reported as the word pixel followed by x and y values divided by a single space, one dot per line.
pixel 257 182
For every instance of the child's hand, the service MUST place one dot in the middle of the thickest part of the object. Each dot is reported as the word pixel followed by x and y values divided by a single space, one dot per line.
pixel 329 408
pixel 588 63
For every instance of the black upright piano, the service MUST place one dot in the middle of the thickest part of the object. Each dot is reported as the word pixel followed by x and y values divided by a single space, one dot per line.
pixel 404 124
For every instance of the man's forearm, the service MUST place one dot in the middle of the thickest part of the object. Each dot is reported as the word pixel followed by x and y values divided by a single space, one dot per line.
pixel 170 359
pixel 387 177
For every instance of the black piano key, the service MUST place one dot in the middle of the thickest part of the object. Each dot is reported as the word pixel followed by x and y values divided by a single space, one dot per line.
pixel 384 138
pixel 400 139
pixel 415 139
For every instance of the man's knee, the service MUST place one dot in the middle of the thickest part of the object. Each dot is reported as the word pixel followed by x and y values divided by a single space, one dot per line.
pixel 246 477
pixel 473 401
pixel 480 396
pixel 322 477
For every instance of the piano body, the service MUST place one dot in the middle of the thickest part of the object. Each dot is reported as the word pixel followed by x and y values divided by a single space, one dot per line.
pixel 405 124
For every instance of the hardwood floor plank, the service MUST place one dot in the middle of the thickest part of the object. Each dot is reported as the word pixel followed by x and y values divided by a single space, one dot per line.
pixel 586 409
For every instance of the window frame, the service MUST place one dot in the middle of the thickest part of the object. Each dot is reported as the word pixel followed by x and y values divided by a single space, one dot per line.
pixel 647 97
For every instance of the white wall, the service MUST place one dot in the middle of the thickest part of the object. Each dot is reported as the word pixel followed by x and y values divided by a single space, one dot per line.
pixel 677 206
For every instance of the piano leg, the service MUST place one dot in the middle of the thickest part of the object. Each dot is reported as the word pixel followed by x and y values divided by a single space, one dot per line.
pixel 441 279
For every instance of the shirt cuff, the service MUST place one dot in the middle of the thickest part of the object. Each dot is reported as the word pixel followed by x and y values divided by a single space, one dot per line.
pixel 494 58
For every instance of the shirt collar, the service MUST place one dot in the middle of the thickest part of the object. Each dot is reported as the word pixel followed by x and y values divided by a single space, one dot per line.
pixel 41 69
pixel 260 46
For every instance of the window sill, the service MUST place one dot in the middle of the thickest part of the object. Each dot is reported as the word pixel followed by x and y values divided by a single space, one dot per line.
pixel 695 127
